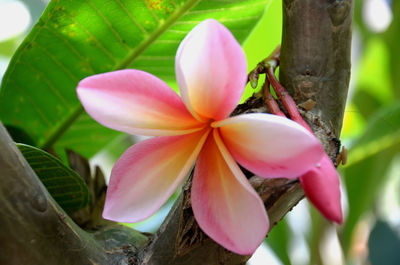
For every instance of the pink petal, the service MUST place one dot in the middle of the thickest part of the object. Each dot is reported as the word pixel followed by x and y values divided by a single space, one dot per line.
pixel 148 173
pixel 270 146
pixel 224 204
pixel 322 187
pixel 211 70
pixel 135 102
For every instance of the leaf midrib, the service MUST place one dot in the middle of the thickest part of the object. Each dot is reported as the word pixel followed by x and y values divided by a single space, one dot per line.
pixel 374 147
pixel 62 127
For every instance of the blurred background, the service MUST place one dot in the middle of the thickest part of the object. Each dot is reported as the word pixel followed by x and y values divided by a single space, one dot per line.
pixel 371 133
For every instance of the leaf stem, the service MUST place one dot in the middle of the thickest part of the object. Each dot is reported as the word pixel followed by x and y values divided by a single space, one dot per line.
pixel 154 35
pixel 268 66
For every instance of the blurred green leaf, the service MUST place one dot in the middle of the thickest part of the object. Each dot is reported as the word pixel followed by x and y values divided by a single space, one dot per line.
pixel 384 245
pixel 7 47
pixel 358 5
pixel 67 188
pixel 382 132
pixel 373 74
pixel 369 160
pixel 364 181
pixel 117 147
pixel 278 240
pixel 392 38
pixel 314 238
pixel 366 103
pixel 75 39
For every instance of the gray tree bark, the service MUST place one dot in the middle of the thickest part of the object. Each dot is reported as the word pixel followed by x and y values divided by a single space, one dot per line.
pixel 315 66
pixel 315 56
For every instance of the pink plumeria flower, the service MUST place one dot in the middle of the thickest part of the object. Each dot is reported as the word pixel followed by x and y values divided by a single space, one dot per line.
pixel 211 73
pixel 321 185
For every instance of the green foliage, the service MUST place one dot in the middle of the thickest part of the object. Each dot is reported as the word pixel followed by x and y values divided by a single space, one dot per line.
pixel 392 38
pixel 65 185
pixel 377 106
pixel 382 132
pixel 7 47
pixel 75 39
pixel 369 161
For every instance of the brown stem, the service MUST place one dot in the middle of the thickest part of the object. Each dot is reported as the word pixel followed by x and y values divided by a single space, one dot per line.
pixel 270 101
pixel 261 67
pixel 286 99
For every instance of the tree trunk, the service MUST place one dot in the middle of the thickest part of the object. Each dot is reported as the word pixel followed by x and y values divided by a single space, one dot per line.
pixel 33 228
pixel 315 56
pixel 315 65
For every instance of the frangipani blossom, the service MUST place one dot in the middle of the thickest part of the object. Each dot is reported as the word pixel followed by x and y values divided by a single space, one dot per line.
pixel 211 74
pixel 321 185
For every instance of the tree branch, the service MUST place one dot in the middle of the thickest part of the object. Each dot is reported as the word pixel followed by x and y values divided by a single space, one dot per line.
pixel 34 229
pixel 315 56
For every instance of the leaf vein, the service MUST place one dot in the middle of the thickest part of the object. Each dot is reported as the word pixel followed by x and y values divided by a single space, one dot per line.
pixel 153 36
pixel 57 62
pixel 142 29
pixel 71 47
pixel 152 12
pixel 97 42
pixel 115 33
pixel 230 9
pixel 35 107
pixel 49 83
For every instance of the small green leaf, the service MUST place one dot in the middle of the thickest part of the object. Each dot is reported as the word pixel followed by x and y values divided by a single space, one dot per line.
pixel 8 47
pixel 65 185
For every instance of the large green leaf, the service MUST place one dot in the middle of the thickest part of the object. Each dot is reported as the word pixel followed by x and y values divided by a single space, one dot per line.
pixel 369 160
pixel 382 132
pixel 75 39
pixel 67 188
